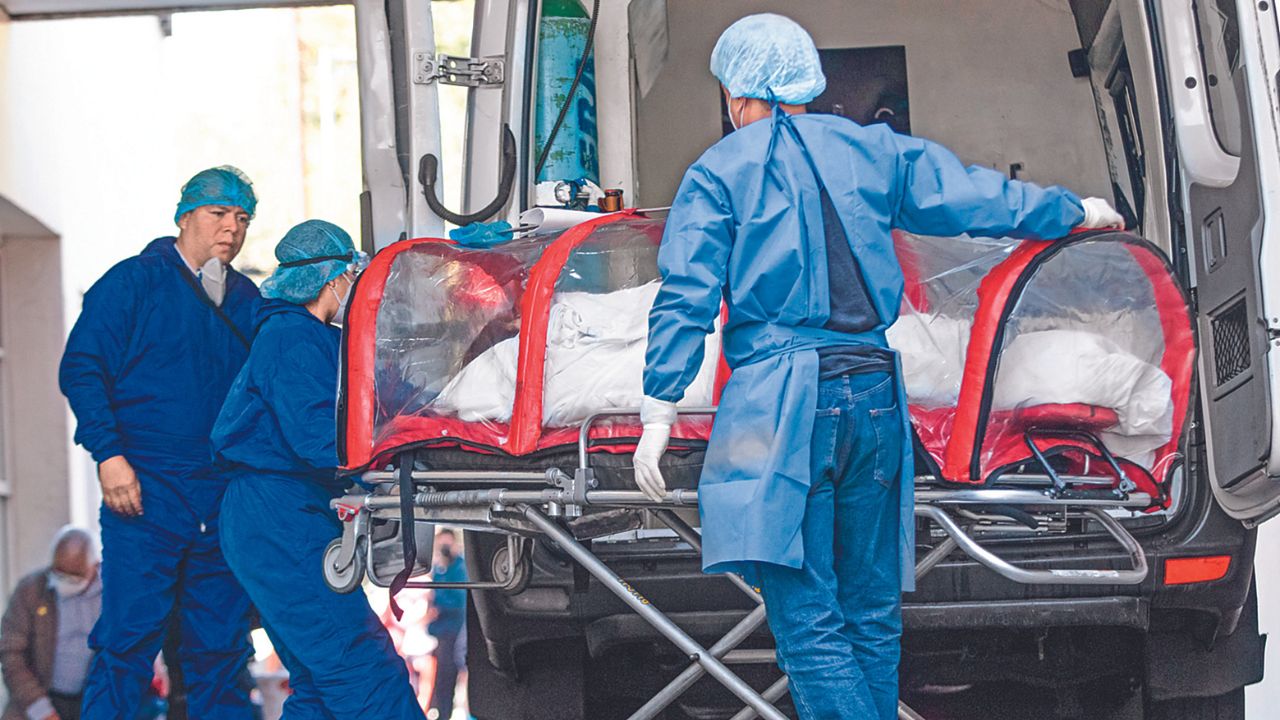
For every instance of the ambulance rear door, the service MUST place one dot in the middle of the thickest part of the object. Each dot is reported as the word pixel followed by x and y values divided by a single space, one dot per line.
pixel 1221 59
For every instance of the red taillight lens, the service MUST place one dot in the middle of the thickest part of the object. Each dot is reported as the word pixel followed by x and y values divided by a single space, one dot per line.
pixel 1184 571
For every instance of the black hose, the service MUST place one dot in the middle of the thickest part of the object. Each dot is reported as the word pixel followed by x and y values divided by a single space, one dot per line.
pixel 573 89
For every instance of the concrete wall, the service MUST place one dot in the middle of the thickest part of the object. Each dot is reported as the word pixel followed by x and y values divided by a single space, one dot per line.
pixel 33 421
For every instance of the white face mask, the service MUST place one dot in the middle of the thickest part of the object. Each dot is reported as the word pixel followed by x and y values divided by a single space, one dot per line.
pixel 342 300
pixel 68 585
pixel 213 278
pixel 737 124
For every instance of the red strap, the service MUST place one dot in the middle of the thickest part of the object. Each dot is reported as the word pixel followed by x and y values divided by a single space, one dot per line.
pixel 1179 357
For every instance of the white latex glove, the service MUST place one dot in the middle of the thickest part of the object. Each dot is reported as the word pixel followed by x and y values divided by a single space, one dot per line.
pixel 657 416
pixel 1098 213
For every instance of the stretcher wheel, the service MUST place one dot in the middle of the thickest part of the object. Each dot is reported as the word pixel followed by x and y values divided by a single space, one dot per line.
pixel 514 575
pixel 347 579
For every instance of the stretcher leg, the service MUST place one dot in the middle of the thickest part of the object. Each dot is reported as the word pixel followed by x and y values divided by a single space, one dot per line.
pixel 735 636
pixel 651 615
pixel 694 540
pixel 694 672
pixel 773 693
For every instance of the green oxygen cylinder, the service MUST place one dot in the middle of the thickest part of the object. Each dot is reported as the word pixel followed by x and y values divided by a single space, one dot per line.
pixel 562 35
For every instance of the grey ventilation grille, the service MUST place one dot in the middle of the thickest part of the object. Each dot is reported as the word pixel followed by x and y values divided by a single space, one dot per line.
pixel 1231 342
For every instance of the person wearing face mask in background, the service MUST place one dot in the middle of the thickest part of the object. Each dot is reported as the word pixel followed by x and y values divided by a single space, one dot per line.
pixel 275 441
pixel 146 368
pixel 44 636
pixel 448 624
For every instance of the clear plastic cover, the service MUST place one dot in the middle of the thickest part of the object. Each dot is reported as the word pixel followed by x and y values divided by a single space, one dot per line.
pixel 599 327
pixel 1079 348
pixel 938 307
pixel 1081 345
pixel 450 323
pixel 442 308
pixel 1084 342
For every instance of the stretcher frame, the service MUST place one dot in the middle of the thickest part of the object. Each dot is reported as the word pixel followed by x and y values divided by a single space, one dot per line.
pixel 534 504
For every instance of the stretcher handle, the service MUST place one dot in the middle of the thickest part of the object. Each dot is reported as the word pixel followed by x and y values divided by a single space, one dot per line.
pixel 1125 484
pixel 584 432
pixel 1134 576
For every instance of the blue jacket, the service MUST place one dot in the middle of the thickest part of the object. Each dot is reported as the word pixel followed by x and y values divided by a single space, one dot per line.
pixel 747 227
pixel 280 417
pixel 149 362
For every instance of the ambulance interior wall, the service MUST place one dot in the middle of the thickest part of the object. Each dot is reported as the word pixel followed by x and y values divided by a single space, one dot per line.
pixel 987 78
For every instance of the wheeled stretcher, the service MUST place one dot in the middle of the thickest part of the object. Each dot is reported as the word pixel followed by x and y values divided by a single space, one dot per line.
pixel 496 389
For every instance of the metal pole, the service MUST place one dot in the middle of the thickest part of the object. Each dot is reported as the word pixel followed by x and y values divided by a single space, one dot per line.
pixel 732 639
pixel 691 674
pixel 935 556
pixel 906 713
pixel 652 615
pixel 773 694
pixel 694 540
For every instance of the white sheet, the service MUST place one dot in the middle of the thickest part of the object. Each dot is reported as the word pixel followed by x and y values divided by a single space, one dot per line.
pixel 595 361
pixel 1044 367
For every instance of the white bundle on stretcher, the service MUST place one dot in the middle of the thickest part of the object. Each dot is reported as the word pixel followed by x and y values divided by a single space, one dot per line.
pixel 595 361
pixel 1063 364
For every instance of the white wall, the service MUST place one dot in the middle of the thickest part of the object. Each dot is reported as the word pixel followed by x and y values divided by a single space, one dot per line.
pixel 102 120
pixel 87 147
pixel 1263 699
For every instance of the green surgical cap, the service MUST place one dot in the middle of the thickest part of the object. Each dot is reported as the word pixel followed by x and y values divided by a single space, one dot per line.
pixel 224 185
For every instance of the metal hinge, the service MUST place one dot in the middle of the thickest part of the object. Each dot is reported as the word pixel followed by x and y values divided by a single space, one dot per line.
pixel 455 70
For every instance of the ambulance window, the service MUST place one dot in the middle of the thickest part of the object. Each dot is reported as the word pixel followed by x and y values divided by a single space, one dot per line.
pixel 1122 135
pixel 866 84
pixel 1219 32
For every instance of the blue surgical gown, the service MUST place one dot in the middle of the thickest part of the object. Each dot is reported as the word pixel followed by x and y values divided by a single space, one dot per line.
pixel 746 228
pixel 275 440
pixel 146 369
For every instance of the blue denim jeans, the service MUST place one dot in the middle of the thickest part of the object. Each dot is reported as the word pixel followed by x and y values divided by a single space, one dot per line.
pixel 838 619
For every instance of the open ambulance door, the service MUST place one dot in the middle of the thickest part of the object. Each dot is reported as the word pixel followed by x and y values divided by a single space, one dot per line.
pixel 1221 59
pixel 401 80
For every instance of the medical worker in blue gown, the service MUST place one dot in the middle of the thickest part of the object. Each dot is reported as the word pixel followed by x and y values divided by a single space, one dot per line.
pixel 275 441
pixel 807 485
pixel 147 366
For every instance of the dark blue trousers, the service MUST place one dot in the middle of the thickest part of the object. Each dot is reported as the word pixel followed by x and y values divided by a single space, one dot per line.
pixel 342 663
pixel 169 556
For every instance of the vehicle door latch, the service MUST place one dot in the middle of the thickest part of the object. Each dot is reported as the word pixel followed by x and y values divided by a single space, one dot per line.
pixel 456 70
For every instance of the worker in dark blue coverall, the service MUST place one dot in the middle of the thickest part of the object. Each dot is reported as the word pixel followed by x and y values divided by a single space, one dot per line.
pixel 276 441
pixel 147 366
pixel 807 484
